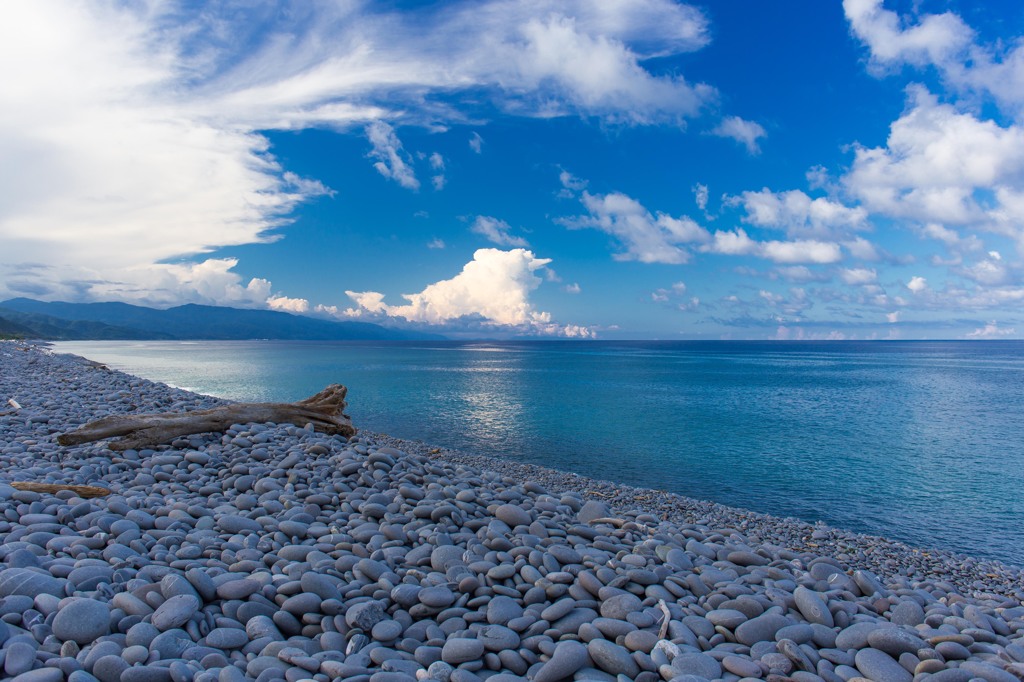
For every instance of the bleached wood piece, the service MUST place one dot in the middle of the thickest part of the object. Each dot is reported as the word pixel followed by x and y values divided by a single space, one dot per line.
pixel 325 411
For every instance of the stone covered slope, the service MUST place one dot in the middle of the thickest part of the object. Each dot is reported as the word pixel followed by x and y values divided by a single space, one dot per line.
pixel 271 552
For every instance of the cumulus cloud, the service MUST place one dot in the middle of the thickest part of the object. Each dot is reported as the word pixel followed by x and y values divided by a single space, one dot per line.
pixel 494 288
pixel 438 179
pixel 286 304
pixel 990 331
pixel 745 132
pixel 738 243
pixel 389 157
pixel 917 284
pixel 800 215
pixel 496 231
pixel 935 162
pixel 944 41
pixel 858 276
pixel 130 132
pixel 644 237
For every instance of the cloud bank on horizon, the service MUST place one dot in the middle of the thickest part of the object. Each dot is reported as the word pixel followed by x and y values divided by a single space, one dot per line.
pixel 142 163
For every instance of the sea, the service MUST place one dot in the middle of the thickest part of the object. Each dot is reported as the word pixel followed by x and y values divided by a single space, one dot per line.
pixel 917 441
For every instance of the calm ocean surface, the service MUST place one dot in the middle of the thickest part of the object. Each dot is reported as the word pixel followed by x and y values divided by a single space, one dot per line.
pixel 919 441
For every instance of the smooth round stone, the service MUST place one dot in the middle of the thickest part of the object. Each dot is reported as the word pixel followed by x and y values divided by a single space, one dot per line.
pixel 109 668
pixel 238 589
pixel 729 619
pixel 612 658
pixel 698 664
pixel 855 636
pixel 19 659
pixel 800 633
pixel 744 558
pixel 40 675
pixel 234 523
pixel 950 675
pixel 82 620
pixel 24 581
pixel 620 605
pixel 640 640
pixel 568 657
pixel 302 603
pixel 907 613
pixel 498 638
pixel 761 629
pixel 501 610
pixel 462 650
pixel 175 612
pixel 437 597
pixel 953 651
pixel 895 641
pixel 744 667
pixel 227 638
pixel 881 667
pixel 387 630
pixel 812 606
pixel 513 515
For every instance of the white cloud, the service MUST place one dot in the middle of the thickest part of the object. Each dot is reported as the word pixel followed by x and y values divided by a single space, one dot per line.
pixel 917 284
pixel 800 215
pixel 494 287
pixel 286 304
pixel 476 143
pixel 862 249
pixel 946 42
pixel 436 243
pixel 990 331
pixel 496 231
pixel 858 276
pixel 934 39
pixel 893 317
pixel 645 237
pixel 745 132
pixel 130 131
pixel 390 159
pixel 935 161
pixel 700 195
pixel 573 288
pixel 738 243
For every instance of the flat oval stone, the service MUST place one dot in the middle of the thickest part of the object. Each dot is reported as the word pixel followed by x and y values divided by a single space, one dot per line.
pixel 24 581
pixel 907 613
pixel 462 650
pixel 729 619
pixel 612 658
pixel 812 606
pixel 498 638
pixel 895 641
pixel 761 629
pixel 437 597
pixel 227 638
pixel 82 620
pixel 881 667
pixel 620 605
pixel 698 664
pixel 234 523
pixel 513 515
pixel 175 612
pixel 855 636
pixel 238 589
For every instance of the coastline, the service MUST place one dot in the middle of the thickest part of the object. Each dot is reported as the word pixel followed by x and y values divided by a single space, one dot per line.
pixel 642 543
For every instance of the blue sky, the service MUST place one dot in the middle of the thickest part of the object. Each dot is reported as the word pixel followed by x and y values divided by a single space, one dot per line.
pixel 624 169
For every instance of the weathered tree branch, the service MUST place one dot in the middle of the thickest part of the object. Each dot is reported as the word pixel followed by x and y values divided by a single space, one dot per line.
pixel 83 491
pixel 325 411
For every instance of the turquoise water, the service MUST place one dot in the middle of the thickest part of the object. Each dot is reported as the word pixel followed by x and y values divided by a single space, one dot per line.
pixel 919 441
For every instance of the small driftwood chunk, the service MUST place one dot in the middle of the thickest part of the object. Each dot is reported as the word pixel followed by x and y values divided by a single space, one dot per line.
pixel 325 411
pixel 84 491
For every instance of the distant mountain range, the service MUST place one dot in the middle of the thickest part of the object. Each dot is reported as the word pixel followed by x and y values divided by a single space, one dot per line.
pixel 28 318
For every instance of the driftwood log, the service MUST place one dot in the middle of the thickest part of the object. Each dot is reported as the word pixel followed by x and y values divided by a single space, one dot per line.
pixel 325 411
pixel 83 491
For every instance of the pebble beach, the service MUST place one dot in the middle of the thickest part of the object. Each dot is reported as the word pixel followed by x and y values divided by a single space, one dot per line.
pixel 271 552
